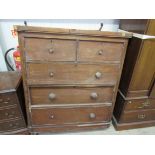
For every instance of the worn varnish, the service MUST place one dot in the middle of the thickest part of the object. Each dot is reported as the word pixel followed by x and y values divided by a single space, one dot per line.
pixel 12 105
pixel 70 77
pixel 135 103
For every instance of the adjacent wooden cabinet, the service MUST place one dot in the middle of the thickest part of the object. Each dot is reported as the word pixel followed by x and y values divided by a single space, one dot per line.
pixel 135 103
pixel 70 77
pixel 141 26
pixel 12 105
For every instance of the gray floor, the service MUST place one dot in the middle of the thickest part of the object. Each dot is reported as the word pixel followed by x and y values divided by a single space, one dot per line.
pixel 112 131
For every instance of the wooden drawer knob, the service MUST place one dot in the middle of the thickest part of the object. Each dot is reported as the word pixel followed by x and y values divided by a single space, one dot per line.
pixel 51 96
pixel 98 75
pixel 51 74
pixel 6 114
pixel 1 100
pixel 100 52
pixel 51 116
pixel 92 115
pixel 94 95
pixel 51 50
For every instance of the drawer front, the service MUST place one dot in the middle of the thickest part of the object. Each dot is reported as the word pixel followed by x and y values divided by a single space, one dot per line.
pixel 100 51
pixel 140 104
pixel 50 49
pixel 12 125
pixel 70 115
pixel 143 115
pixel 7 99
pixel 65 73
pixel 9 113
pixel 71 95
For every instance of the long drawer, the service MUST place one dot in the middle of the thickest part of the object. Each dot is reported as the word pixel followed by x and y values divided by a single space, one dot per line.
pixel 51 116
pixel 69 73
pixel 70 95
pixel 136 116
pixel 9 113
pixel 139 104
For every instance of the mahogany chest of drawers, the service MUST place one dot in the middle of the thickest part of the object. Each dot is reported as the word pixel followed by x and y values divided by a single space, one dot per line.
pixel 70 77
pixel 12 108
pixel 135 103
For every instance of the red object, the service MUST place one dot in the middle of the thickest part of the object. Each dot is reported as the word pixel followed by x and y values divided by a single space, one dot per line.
pixel 16 56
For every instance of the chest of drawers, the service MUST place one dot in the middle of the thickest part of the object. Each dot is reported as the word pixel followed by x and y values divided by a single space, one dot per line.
pixel 70 77
pixel 12 108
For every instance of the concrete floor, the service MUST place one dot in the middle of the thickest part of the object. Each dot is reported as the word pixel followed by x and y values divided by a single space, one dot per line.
pixel 112 131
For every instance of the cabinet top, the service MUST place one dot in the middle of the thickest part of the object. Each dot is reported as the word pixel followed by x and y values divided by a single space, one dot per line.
pixel 72 31
pixel 9 81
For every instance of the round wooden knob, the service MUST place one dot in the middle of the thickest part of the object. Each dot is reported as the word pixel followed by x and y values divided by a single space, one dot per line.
pixel 100 52
pixel 51 116
pixel 52 96
pixel 6 114
pixel 11 125
pixel 51 51
pixel 98 75
pixel 94 95
pixel 51 74
pixel 92 115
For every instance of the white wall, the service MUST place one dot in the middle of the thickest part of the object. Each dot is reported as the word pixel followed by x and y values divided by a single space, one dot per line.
pixel 8 41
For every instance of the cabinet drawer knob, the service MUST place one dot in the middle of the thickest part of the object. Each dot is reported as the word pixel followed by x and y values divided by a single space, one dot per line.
pixel 11 125
pixel 51 74
pixel 6 114
pixel 51 50
pixel 98 75
pixel 94 95
pixel 142 116
pixel 51 116
pixel 100 52
pixel 1 100
pixel 52 96
pixel 92 115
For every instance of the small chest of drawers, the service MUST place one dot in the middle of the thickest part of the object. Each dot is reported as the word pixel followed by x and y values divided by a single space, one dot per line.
pixel 12 108
pixel 70 77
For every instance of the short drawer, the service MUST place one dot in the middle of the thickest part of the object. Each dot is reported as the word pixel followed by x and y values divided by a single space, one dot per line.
pixel 12 125
pixel 9 113
pixel 138 104
pixel 8 99
pixel 99 51
pixel 136 116
pixel 70 95
pixel 68 73
pixel 70 115
pixel 50 49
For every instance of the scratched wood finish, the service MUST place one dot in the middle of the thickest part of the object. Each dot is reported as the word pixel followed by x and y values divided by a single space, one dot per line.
pixel 140 104
pixel 137 116
pixel 8 99
pixel 66 73
pixel 68 64
pixel 135 101
pixel 50 49
pixel 61 116
pixel 12 108
pixel 71 95
pixel 91 51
